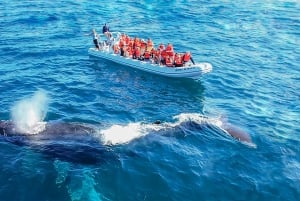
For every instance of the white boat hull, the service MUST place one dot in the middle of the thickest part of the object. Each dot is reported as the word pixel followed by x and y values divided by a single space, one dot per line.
pixel 190 71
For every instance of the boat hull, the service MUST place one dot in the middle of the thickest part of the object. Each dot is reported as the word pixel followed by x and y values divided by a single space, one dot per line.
pixel 191 71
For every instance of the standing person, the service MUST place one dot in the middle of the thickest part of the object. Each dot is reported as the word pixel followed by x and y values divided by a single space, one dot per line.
pixel 96 39
pixel 105 29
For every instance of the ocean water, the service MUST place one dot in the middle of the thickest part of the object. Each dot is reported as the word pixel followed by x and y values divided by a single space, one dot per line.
pixel 47 76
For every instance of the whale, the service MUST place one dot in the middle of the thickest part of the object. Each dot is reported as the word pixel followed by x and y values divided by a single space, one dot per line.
pixel 10 128
pixel 199 121
pixel 46 131
pixel 82 143
pixel 72 142
pixel 80 131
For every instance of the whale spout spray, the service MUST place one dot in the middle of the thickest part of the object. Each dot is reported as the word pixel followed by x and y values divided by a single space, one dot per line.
pixel 28 113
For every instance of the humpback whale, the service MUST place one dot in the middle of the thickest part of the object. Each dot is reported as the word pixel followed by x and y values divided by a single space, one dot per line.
pixel 72 142
pixel 9 128
pixel 84 143
pixel 80 131
pixel 198 121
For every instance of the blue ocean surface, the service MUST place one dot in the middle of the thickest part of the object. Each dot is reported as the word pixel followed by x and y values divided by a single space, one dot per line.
pixel 47 76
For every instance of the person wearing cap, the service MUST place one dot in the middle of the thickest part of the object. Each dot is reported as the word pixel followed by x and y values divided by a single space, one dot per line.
pixel 105 30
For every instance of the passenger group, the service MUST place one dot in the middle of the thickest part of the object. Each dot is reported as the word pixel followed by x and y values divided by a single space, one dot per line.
pixel 137 48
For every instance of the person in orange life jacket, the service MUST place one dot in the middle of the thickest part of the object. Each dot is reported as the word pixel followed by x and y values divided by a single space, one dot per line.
pixel 178 60
pixel 149 45
pixel 134 42
pixel 137 53
pixel 149 42
pixel 131 42
pixel 96 38
pixel 116 48
pixel 170 51
pixel 127 40
pixel 130 51
pixel 160 54
pixel 126 51
pixel 161 47
pixel 137 43
pixel 169 61
pixel 156 56
pixel 121 43
pixel 187 56
pixel 143 47
pixel 147 55
pixel 163 56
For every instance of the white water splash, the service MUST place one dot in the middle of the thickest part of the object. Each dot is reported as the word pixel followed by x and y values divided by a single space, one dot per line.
pixel 200 119
pixel 118 134
pixel 29 113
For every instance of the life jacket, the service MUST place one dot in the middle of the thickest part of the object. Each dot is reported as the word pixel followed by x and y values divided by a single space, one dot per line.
pixel 149 42
pixel 149 48
pixel 164 54
pixel 130 51
pixel 149 45
pixel 186 57
pixel 127 40
pixel 116 49
pixel 147 55
pixel 121 43
pixel 153 51
pixel 131 42
pixel 156 56
pixel 170 53
pixel 169 50
pixel 123 36
pixel 169 47
pixel 161 47
pixel 178 60
pixel 137 43
pixel 137 52
pixel 169 62
pixel 156 52
pixel 143 46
